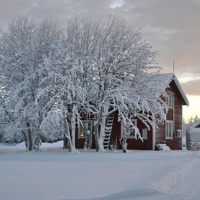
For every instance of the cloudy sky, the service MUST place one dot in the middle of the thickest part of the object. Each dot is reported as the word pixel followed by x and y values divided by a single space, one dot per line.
pixel 172 27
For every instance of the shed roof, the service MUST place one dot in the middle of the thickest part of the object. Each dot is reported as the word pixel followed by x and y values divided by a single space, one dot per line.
pixel 196 124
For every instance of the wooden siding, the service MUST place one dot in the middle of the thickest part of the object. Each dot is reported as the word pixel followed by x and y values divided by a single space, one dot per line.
pixel 132 143
pixel 174 143
pixel 79 141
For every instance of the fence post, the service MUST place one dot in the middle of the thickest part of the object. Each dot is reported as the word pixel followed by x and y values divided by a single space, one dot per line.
pixel 188 139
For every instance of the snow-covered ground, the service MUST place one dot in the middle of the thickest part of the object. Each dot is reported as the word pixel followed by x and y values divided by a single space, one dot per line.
pixel 55 174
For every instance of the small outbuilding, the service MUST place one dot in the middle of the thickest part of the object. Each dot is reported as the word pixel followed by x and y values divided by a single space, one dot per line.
pixel 196 125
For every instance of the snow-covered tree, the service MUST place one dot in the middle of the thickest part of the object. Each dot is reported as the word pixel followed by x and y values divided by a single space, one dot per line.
pixel 116 63
pixel 52 79
pixel 24 50
pixel 66 84
pixel 16 51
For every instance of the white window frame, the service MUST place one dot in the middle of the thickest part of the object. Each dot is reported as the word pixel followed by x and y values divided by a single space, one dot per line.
pixel 123 129
pixel 170 100
pixel 81 131
pixel 178 133
pixel 169 125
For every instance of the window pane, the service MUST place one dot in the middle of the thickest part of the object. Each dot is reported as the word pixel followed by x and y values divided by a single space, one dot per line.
pixel 169 129
pixel 129 130
pixel 170 100
pixel 132 133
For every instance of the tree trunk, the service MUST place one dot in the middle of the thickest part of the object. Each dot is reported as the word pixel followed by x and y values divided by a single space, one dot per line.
pixel 73 128
pixel 67 143
pixel 96 129
pixel 102 135
pixel 29 138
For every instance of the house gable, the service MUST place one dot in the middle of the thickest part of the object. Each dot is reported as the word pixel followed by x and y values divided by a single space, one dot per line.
pixel 174 115
pixel 171 81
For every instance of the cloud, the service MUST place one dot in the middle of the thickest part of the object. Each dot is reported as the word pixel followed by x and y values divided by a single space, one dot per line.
pixel 116 4
pixel 192 87
pixel 172 27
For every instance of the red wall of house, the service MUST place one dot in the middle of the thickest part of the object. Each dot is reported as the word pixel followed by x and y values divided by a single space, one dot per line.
pixel 175 143
pixel 132 143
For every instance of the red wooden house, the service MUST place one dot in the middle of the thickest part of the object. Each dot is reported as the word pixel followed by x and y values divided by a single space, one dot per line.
pixel 170 132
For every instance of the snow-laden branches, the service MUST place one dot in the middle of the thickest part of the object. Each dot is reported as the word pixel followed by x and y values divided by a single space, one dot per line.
pixel 51 79
pixel 117 64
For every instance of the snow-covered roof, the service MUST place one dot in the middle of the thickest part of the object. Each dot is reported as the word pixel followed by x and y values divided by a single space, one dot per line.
pixel 196 124
pixel 168 78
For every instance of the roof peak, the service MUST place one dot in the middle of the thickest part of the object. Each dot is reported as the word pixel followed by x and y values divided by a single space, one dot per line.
pixel 167 78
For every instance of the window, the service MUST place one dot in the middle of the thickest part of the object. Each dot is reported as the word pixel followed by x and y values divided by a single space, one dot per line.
pixel 128 131
pixel 170 100
pixel 177 133
pixel 85 128
pixel 169 129
pixel 144 134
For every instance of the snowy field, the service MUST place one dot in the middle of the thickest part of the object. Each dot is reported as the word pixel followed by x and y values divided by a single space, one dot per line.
pixel 55 174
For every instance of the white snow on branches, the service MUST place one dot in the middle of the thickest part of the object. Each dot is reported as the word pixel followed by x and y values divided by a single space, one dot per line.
pixel 51 78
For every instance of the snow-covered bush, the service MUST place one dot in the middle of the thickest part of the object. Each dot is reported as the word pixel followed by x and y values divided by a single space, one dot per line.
pixel 163 147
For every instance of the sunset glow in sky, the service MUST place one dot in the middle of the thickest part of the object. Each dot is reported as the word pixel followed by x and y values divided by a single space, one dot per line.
pixel 172 27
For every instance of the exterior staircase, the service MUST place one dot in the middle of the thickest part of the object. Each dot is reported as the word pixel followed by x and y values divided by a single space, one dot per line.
pixel 108 130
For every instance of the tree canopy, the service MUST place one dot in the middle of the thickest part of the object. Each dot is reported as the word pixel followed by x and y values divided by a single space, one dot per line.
pixel 51 78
